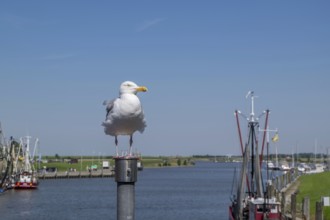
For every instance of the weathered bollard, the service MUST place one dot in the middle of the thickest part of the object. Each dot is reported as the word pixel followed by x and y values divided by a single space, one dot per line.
pixel 126 176
pixel 283 202
pixel 293 206
pixel 319 211
pixel 305 211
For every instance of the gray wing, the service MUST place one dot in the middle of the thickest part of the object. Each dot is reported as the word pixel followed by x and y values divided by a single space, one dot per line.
pixel 109 105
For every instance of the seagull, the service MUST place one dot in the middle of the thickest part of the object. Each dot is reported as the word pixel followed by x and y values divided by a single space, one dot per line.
pixel 124 115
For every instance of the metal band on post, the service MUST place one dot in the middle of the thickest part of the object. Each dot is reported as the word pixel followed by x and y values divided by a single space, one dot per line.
pixel 126 176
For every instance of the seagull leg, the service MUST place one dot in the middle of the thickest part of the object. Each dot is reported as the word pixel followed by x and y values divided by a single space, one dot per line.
pixel 130 144
pixel 116 142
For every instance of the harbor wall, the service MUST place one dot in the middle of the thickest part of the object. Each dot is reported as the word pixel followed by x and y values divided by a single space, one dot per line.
pixel 83 174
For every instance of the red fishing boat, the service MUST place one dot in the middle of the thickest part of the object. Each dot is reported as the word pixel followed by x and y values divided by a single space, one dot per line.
pixel 251 201
pixel 27 178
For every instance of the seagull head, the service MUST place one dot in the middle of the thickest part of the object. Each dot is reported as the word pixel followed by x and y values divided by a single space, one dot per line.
pixel 131 87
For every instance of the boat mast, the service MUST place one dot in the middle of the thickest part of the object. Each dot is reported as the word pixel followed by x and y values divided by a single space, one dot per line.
pixel 253 143
pixel 267 142
pixel 242 148
pixel 255 174
pixel 315 150
pixel 264 136
pixel 26 143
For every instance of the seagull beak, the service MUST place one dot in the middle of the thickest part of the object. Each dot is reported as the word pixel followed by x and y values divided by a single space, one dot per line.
pixel 141 89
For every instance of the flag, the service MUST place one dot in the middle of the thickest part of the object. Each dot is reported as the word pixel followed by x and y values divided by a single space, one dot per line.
pixel 275 138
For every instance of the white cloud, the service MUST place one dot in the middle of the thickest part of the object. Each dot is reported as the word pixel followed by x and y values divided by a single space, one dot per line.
pixel 148 24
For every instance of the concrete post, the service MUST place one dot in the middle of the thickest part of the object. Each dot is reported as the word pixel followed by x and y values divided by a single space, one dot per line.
pixel 126 176
pixel 305 211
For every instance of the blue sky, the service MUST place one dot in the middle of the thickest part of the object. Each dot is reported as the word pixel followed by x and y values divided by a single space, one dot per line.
pixel 59 60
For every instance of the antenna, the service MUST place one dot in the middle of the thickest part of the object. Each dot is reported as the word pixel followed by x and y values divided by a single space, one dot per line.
pixel 251 94
pixel 252 115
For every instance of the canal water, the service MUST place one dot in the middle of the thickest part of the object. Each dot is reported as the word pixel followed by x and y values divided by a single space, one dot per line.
pixel 199 192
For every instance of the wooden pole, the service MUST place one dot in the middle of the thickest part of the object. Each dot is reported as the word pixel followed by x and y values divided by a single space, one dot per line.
pixel 293 206
pixel 319 211
pixel 283 203
pixel 305 211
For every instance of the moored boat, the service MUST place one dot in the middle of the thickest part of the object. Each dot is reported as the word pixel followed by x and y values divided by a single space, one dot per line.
pixel 271 166
pixel 259 209
pixel 252 200
pixel 285 167
pixel 26 180
pixel 139 165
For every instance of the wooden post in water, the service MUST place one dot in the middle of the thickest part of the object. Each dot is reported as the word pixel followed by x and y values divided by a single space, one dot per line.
pixel 305 208
pixel 283 203
pixel 319 211
pixel 126 176
pixel 282 181
pixel 290 176
pixel 277 194
pixel 276 182
pixel 270 191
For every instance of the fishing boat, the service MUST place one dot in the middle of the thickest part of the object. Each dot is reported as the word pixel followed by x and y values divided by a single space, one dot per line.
pixel 139 165
pixel 27 178
pixel 7 149
pixel 251 200
pixel 285 167
pixel 139 161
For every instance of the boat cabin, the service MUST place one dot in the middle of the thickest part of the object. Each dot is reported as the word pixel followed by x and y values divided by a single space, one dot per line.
pixel 261 208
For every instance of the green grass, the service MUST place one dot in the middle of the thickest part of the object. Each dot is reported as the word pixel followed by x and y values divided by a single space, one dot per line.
pixel 147 163
pixel 64 166
pixel 315 186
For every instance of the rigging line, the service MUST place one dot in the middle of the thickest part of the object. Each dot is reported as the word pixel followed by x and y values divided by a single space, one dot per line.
pixel 234 183
pixel 264 136
pixel 239 131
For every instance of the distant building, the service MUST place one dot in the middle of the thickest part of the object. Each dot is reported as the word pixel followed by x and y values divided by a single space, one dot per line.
pixel 105 165
pixel 51 169
pixel 71 161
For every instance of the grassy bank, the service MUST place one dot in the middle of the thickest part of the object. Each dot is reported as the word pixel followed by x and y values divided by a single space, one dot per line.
pixel 315 186
pixel 82 164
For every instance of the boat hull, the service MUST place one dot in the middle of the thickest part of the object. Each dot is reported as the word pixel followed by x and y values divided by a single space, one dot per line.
pixel 231 217
pixel 26 180
pixel 25 185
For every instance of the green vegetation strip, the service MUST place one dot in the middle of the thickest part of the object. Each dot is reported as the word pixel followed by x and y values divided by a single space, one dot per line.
pixel 82 164
pixel 315 186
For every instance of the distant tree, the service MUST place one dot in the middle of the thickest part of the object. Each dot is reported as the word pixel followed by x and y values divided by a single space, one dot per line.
pixel 179 162
pixel 165 163
pixel 185 163
pixel 57 156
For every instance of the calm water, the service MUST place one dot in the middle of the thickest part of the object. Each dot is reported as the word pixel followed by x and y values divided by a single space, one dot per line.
pixel 199 192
